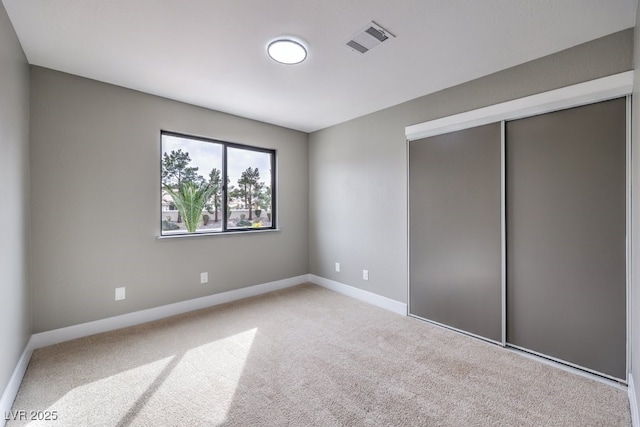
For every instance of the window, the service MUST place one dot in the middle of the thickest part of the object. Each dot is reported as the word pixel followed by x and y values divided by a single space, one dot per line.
pixel 210 186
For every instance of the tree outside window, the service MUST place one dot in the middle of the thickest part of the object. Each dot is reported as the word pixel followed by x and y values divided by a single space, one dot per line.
pixel 211 186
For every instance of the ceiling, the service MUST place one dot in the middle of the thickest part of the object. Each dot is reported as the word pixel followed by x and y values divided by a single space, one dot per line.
pixel 212 53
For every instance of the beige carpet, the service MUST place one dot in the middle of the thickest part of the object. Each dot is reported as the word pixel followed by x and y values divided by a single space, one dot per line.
pixel 300 357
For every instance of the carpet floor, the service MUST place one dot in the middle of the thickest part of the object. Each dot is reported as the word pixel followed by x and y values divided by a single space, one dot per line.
pixel 303 356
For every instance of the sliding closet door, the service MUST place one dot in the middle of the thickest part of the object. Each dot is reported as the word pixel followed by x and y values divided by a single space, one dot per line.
pixel 455 243
pixel 566 291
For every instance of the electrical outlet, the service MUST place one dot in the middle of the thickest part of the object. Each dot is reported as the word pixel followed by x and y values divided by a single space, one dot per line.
pixel 204 277
pixel 120 293
pixel 365 274
pixel 338 267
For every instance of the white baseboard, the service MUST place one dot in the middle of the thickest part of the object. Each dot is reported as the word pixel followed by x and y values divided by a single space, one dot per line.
pixel 44 339
pixel 10 392
pixel 368 297
pixel 56 336
pixel 633 402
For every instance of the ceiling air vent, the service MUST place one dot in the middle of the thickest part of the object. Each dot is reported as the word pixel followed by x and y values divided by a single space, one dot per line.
pixel 368 37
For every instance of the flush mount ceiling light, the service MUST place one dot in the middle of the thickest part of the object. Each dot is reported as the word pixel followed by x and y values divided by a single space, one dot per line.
pixel 287 51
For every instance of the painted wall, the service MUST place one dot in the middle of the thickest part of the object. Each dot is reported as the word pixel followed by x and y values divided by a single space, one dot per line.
pixel 95 148
pixel 357 170
pixel 635 218
pixel 15 314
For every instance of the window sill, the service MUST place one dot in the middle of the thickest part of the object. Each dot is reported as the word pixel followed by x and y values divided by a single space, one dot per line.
pixel 225 233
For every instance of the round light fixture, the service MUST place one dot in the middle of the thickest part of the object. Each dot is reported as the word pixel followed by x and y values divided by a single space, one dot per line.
pixel 287 51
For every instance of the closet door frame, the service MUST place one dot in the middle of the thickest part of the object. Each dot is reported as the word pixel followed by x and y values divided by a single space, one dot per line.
pixel 603 89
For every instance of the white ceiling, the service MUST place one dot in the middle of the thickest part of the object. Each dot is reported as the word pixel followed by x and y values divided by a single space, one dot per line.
pixel 212 53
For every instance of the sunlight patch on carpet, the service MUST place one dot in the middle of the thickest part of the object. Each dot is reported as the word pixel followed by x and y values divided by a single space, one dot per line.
pixel 93 403
pixel 202 384
pixel 199 384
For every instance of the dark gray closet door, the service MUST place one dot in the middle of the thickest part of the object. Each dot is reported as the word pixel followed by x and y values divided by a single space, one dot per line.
pixel 455 243
pixel 566 292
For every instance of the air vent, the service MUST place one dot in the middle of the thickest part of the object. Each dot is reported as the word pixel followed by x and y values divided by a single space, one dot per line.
pixel 368 37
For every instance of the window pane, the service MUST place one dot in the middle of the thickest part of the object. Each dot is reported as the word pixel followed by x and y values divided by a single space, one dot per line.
pixel 249 197
pixel 191 185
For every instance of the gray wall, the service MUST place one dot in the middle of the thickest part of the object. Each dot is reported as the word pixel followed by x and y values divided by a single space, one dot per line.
pixel 15 314
pixel 635 218
pixel 357 180
pixel 95 148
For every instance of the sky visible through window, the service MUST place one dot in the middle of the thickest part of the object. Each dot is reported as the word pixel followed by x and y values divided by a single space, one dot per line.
pixel 207 155
pixel 246 203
